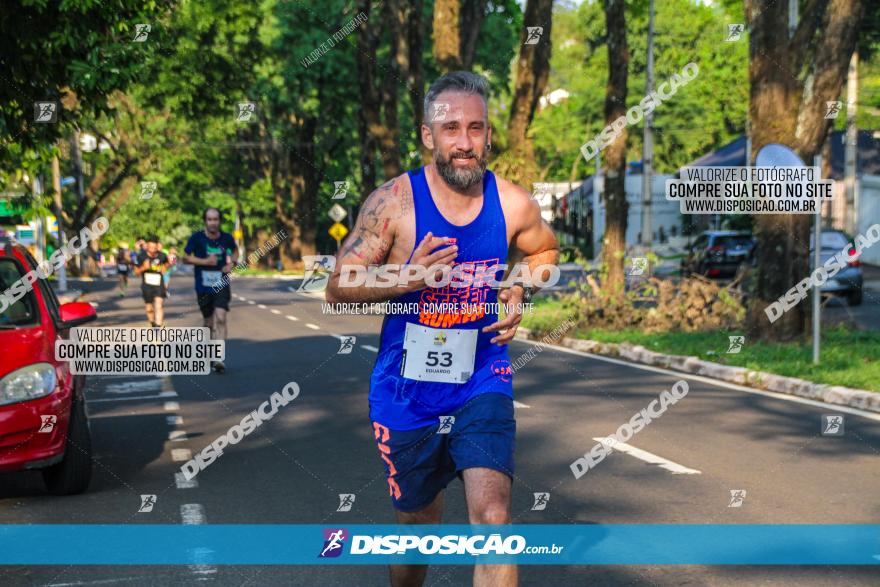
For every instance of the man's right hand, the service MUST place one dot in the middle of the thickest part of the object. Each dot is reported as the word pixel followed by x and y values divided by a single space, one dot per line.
pixel 211 260
pixel 426 256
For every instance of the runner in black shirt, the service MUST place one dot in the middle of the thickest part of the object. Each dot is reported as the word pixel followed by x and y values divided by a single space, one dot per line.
pixel 151 264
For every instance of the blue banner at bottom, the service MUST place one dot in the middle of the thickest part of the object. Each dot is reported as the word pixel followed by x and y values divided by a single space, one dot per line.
pixel 523 544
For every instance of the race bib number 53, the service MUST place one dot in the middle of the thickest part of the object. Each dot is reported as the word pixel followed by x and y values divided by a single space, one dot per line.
pixel 444 355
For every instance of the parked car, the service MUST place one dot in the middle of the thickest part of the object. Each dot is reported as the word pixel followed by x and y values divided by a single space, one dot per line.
pixel 717 253
pixel 848 281
pixel 43 418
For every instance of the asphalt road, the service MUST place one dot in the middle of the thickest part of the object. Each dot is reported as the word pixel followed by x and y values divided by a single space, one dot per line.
pixel 292 468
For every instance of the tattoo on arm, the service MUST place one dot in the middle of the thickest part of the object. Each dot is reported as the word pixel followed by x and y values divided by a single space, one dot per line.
pixel 370 239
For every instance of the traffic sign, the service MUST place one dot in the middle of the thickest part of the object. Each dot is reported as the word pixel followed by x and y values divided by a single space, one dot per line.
pixel 337 213
pixel 338 231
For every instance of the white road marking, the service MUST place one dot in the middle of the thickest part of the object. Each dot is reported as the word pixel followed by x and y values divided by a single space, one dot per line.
pixel 126 399
pixel 177 435
pixel 171 406
pixel 274 311
pixel 293 289
pixel 369 348
pixel 261 306
pixel 135 386
pixel 181 454
pixel 517 404
pixel 313 327
pixel 251 302
pixel 679 375
pixel 173 420
pixel 649 457
pixel 117 580
pixel 192 513
pixel 294 318
pixel 242 298
pixel 182 482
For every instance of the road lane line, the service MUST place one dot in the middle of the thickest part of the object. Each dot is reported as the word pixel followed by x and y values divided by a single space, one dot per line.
pixel 261 306
pixel 182 483
pixel 517 404
pixel 141 386
pixel 192 513
pixel 173 420
pixel 251 302
pixel 181 455
pixel 369 347
pixel 680 375
pixel 274 311
pixel 177 435
pixel 164 394
pixel 116 580
pixel 171 406
pixel 313 326
pixel 646 456
pixel 294 318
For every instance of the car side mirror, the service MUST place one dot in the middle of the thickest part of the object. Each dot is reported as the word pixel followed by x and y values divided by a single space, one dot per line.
pixel 75 314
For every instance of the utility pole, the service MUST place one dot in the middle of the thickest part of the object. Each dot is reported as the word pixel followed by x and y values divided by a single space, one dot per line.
pixel 39 229
pixel 852 139
pixel 76 156
pixel 648 147
pixel 62 237
pixel 817 260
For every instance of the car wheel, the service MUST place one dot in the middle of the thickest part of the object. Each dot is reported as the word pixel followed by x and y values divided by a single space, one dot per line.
pixel 72 475
pixel 854 298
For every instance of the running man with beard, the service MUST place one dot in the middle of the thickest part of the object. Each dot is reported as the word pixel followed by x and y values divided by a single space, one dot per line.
pixel 441 397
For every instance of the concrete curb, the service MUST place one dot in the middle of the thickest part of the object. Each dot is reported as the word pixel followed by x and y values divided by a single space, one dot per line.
pixel 832 394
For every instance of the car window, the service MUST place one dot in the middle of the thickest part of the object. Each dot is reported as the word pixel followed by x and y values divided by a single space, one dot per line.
pixel 740 241
pixel 700 242
pixel 832 240
pixel 47 292
pixel 23 312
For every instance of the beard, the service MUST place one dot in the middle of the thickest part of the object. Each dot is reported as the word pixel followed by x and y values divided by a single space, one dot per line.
pixel 457 177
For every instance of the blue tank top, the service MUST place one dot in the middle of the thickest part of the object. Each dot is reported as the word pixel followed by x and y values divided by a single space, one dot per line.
pixel 404 404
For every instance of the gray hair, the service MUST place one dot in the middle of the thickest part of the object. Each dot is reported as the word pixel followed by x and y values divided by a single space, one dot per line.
pixel 457 81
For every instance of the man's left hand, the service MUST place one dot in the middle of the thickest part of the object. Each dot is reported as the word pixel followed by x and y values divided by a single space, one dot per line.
pixel 506 328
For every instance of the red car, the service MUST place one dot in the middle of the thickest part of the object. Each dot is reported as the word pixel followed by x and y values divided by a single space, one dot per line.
pixel 43 419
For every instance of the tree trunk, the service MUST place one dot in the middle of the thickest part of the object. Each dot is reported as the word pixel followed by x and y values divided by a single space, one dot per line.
pixel 378 124
pixel 473 12
pixel 389 137
pixel 788 107
pixel 416 77
pixel 614 196
pixel 369 117
pixel 447 36
pixel 533 69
